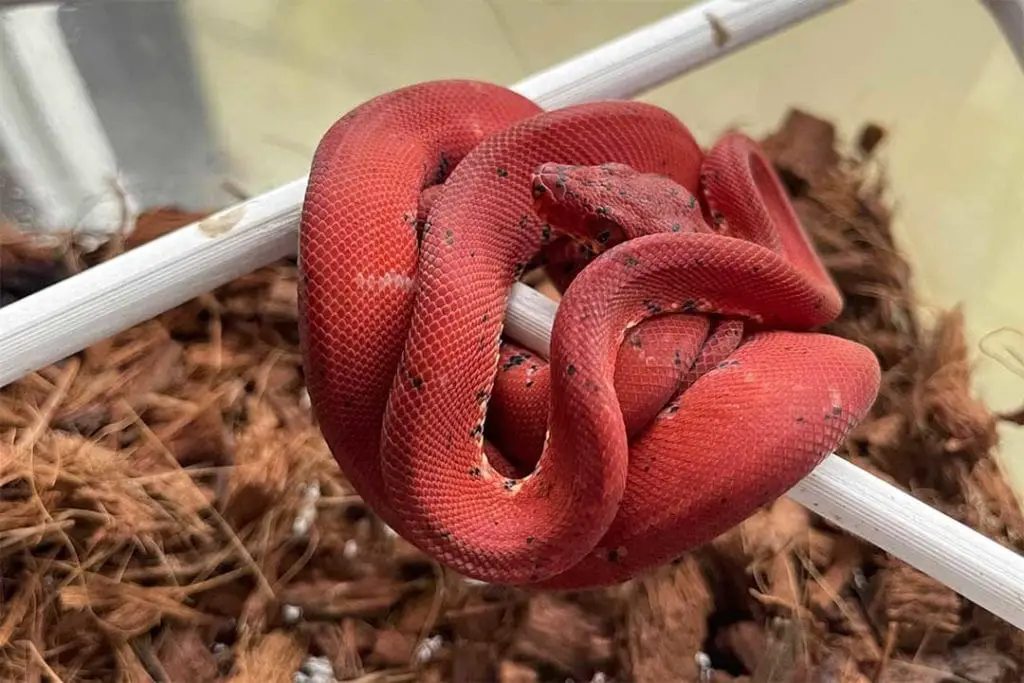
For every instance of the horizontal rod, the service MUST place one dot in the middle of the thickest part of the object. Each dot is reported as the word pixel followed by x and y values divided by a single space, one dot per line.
pixel 988 574
pixel 71 315
pixel 853 499
pixel 654 54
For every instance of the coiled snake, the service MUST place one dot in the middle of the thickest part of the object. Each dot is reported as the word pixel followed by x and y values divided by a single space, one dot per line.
pixel 685 385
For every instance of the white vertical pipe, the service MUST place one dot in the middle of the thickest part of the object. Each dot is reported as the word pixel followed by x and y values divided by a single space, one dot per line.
pixel 58 150
pixel 1009 15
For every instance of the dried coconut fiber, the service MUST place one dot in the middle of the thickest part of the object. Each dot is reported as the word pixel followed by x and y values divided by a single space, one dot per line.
pixel 169 512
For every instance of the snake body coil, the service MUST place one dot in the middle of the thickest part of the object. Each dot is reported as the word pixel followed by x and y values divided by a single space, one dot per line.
pixel 684 387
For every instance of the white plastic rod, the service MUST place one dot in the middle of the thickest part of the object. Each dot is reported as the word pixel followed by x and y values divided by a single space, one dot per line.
pixel 983 571
pixel 973 565
pixel 144 282
pixel 659 52
pixel 58 151
pixel 127 290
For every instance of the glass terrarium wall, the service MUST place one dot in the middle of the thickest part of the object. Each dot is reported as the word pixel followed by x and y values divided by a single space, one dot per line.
pixel 192 103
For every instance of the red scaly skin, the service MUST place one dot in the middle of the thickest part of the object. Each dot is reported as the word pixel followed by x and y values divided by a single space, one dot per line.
pixel 685 386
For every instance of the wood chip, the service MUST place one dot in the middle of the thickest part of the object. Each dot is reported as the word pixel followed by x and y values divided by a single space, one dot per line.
pixel 185 657
pixel 472 662
pixel 804 147
pixel 274 658
pixel 746 640
pixel 562 635
pixel 340 643
pixel 393 648
pixel 514 672
pixel 924 613
pixel 667 623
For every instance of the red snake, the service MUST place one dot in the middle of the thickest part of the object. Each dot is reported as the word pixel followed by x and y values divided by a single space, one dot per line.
pixel 685 386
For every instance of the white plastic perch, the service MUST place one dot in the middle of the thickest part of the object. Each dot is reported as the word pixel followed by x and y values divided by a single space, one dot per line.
pixel 106 299
pixel 978 568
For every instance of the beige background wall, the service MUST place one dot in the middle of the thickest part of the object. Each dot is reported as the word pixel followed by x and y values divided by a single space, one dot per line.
pixel 936 73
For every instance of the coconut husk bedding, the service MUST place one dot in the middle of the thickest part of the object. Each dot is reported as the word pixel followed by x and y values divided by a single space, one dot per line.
pixel 169 512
